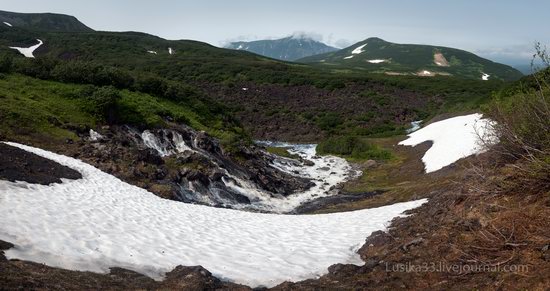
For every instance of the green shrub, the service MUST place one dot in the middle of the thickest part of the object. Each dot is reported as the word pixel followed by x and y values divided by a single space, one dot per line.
pixel 102 103
pixel 522 125
pixel 352 147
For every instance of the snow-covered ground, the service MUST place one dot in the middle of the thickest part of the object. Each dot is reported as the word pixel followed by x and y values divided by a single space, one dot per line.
pixel 358 50
pixel 485 77
pixel 425 73
pixel 8 24
pixel 452 138
pixel 376 61
pixel 170 51
pixel 152 52
pixel 28 51
pixel 100 221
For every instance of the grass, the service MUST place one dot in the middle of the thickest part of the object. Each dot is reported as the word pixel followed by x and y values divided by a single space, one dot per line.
pixel 353 148
pixel 281 151
pixel 31 107
pixel 401 178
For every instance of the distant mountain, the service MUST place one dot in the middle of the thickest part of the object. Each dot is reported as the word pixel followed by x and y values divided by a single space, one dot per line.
pixel 43 22
pixel 379 56
pixel 287 49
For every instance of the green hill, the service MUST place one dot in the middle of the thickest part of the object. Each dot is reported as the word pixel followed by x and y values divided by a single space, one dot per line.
pixel 379 56
pixel 197 73
pixel 42 21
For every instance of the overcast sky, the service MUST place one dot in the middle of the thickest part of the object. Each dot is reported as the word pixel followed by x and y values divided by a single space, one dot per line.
pixel 502 30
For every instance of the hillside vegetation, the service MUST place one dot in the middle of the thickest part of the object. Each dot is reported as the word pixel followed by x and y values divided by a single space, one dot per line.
pixel 379 56
pixel 43 21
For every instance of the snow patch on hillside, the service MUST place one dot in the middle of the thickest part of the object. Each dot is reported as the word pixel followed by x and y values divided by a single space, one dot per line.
pixel 348 57
pixel 358 50
pixel 153 52
pixel 376 61
pixel 453 139
pixel 99 221
pixel 170 51
pixel 8 24
pixel 28 51
pixel 485 77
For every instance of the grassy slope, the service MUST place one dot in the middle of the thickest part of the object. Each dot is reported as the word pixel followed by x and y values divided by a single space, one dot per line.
pixel 32 108
pixel 410 58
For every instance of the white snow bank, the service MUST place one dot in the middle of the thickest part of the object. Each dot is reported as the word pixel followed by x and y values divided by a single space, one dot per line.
pixel 358 50
pixel 28 51
pixel 452 138
pixel 152 52
pixel 8 24
pixel 485 77
pixel 376 61
pixel 99 221
pixel 170 51
pixel 348 57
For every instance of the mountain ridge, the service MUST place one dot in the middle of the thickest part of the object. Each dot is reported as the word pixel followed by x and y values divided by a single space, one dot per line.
pixel 43 22
pixel 288 48
pixel 379 56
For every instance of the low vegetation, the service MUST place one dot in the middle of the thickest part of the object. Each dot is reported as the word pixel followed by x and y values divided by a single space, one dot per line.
pixel 281 151
pixel 522 115
pixel 352 147
pixel 31 107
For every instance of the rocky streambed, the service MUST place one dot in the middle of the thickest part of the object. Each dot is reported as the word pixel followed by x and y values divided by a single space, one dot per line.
pixel 180 163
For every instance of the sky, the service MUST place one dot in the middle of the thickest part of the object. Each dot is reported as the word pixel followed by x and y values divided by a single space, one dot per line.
pixel 501 30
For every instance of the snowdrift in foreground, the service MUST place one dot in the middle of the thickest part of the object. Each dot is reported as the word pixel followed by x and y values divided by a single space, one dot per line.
pixel 99 221
pixel 452 138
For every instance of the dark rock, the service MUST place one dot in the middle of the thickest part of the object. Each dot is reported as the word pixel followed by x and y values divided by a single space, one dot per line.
pixel 308 163
pixel 19 165
pixel 150 156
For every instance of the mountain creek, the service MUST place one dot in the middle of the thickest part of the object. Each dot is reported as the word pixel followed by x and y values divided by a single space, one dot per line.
pixel 186 165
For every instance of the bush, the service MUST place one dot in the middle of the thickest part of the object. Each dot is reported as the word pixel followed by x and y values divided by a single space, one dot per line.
pixel 103 104
pixel 352 147
pixel 522 125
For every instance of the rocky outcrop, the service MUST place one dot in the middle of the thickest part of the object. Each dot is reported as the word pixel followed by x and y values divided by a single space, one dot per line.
pixel 183 164
pixel 19 165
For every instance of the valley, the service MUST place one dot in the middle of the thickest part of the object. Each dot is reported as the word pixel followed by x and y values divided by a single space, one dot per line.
pixel 130 161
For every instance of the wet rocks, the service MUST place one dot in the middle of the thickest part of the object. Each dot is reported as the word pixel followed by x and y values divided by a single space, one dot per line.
pixel 150 156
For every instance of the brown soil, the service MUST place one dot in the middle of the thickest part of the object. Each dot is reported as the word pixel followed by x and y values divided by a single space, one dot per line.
pixel 440 60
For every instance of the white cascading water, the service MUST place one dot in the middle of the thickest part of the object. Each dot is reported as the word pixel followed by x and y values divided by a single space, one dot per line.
pixel 165 147
pixel 326 172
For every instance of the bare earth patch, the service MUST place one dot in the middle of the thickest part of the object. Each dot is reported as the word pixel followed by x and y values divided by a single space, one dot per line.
pixel 440 60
